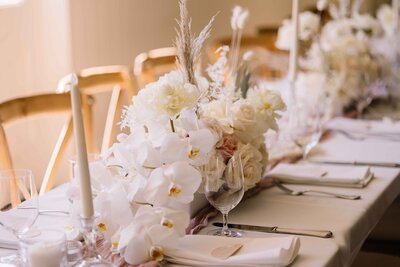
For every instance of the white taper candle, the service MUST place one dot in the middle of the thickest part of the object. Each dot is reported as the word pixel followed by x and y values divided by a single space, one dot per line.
pixel 83 166
pixel 294 49
pixel 395 6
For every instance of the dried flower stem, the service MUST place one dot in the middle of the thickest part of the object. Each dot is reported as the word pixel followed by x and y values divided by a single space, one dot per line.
pixel 188 46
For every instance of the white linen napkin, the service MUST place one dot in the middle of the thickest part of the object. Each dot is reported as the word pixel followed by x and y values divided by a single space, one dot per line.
pixel 364 126
pixel 7 240
pixel 197 250
pixel 321 174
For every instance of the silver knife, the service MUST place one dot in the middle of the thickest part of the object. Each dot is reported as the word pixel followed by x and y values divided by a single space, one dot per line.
pixel 279 230
pixel 359 163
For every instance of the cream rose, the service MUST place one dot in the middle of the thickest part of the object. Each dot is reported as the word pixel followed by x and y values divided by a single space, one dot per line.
pixel 218 110
pixel 252 164
pixel 243 115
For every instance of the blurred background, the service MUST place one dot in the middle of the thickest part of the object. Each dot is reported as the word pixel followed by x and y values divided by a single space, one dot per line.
pixel 43 40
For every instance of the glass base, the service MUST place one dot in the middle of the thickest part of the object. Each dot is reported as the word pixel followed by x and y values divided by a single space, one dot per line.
pixel 94 262
pixel 229 233
pixel 11 260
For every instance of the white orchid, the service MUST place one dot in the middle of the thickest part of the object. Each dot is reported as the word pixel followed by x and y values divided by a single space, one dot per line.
pixel 172 184
pixel 114 209
pixel 309 24
pixel 151 229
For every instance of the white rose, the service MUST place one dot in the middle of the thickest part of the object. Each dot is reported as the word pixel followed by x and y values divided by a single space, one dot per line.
pixel 309 25
pixel 367 24
pixel 334 31
pixel 218 110
pixel 283 40
pixel 266 103
pixel 243 115
pixel 322 4
pixel 252 164
pixel 385 17
pixel 174 95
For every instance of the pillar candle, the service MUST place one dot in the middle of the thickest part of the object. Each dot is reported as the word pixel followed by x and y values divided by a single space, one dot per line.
pixel 83 166
pixel 294 49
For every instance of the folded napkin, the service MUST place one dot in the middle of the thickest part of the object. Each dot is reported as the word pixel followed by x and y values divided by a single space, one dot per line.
pixel 364 126
pixel 321 174
pixel 7 240
pixel 203 250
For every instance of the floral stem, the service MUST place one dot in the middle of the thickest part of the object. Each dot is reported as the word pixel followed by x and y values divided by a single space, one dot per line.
pixel 171 122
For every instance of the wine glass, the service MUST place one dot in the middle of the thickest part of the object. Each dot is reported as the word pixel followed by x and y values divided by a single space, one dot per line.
pixel 224 189
pixel 19 209
pixel 305 126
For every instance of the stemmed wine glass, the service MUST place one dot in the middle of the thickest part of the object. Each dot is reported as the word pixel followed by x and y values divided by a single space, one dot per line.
pixel 19 209
pixel 305 126
pixel 224 189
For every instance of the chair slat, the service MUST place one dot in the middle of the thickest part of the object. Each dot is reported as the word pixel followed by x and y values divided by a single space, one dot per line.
pixel 56 156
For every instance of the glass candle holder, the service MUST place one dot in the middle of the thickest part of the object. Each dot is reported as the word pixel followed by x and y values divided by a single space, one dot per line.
pixel 43 248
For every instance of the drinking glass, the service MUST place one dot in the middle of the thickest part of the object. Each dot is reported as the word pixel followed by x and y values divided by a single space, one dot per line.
pixel 23 199
pixel 305 127
pixel 224 189
pixel 43 248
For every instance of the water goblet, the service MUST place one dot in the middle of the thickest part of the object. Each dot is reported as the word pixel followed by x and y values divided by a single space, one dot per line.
pixel 19 209
pixel 224 189
pixel 305 127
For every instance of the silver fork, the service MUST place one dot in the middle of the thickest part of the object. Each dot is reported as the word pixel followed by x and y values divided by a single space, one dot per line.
pixel 303 192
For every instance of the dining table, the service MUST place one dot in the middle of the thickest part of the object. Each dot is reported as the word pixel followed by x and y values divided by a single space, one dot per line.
pixel 350 221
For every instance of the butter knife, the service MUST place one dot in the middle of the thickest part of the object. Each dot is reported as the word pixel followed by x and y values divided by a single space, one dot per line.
pixel 279 230
pixel 359 163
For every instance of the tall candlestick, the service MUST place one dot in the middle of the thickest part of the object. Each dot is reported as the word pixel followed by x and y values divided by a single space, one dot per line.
pixel 395 6
pixel 294 49
pixel 83 166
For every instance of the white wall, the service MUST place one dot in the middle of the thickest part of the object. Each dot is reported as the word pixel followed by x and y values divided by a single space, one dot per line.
pixel 35 51
pixel 42 40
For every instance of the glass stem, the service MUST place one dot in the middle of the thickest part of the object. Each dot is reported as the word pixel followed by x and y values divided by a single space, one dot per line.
pixel 225 231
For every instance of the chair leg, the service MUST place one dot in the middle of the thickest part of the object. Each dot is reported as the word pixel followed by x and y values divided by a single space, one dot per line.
pixel 6 163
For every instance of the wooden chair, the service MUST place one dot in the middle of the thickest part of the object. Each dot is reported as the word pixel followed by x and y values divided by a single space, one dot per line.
pixel 24 107
pixel 148 66
pixel 269 62
pixel 92 81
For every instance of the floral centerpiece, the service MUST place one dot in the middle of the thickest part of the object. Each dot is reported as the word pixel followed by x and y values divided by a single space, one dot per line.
pixel 386 48
pixel 176 125
pixel 338 59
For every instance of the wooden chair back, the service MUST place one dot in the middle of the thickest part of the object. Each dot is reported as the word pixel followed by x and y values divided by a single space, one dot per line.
pixel 149 66
pixel 92 81
pixel 269 61
pixel 24 107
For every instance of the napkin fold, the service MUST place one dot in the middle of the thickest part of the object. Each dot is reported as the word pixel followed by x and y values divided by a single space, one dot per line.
pixel 320 174
pixel 197 250
pixel 7 240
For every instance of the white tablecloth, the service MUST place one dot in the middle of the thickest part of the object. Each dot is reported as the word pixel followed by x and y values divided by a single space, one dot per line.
pixel 349 220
